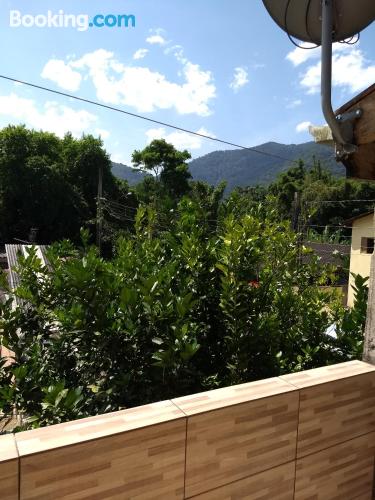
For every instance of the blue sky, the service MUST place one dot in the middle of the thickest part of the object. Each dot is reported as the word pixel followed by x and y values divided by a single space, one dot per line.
pixel 217 66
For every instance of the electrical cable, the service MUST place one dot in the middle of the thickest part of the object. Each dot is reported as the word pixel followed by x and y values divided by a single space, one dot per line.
pixel 348 41
pixel 141 117
pixel 307 29
pixel 338 226
pixel 337 201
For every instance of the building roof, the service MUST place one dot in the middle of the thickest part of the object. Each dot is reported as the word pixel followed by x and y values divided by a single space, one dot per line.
pixel 12 253
pixel 329 253
pixel 353 102
pixel 353 219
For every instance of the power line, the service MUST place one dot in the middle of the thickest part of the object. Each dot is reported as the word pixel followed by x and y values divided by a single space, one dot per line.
pixel 119 212
pixel 119 205
pixel 337 201
pixel 337 226
pixel 141 117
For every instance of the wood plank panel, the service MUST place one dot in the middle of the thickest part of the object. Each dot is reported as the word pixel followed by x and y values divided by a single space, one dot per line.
pixel 273 484
pixel 334 412
pixel 8 468
pixel 342 472
pixel 234 395
pixel 361 164
pixel 364 127
pixel 87 429
pixel 325 374
pixel 144 464
pixel 238 441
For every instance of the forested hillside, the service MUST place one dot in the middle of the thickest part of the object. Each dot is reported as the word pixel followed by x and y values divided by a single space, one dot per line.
pixel 245 168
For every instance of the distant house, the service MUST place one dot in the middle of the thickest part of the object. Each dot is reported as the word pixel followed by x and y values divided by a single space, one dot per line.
pixel 335 254
pixel 362 248
pixel 12 253
pixel 9 263
pixel 329 253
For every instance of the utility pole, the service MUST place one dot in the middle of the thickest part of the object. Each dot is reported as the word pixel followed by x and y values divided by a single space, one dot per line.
pixel 296 211
pixel 369 340
pixel 99 210
pixel 296 224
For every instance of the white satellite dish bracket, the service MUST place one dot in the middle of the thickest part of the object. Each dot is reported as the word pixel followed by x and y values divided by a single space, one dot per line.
pixel 342 126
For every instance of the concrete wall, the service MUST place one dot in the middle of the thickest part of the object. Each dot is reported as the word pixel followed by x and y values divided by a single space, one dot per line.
pixel 360 262
pixel 302 436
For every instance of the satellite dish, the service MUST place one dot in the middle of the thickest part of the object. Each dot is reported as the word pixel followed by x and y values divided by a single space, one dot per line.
pixel 323 22
pixel 302 19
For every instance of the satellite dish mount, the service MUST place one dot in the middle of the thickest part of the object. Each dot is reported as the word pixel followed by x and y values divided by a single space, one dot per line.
pixel 342 126
pixel 323 22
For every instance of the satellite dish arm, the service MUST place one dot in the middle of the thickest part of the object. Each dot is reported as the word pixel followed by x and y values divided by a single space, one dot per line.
pixel 326 81
pixel 344 148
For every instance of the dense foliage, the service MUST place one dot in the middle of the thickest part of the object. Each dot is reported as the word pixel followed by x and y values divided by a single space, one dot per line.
pixel 51 184
pixel 324 202
pixel 173 312
pixel 195 291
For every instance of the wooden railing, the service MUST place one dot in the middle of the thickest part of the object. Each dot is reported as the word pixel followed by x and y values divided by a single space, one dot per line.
pixel 309 435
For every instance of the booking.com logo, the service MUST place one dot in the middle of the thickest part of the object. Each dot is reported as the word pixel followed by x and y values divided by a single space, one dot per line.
pixel 81 22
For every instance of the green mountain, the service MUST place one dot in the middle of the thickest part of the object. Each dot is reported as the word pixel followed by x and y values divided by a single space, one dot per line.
pixel 246 168
pixel 127 173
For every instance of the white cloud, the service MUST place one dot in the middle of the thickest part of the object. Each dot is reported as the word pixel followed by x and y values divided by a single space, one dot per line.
pixel 156 40
pixel 120 158
pixel 293 103
pixel 303 127
pixel 178 52
pixel 144 89
pixel 62 74
pixel 240 78
pixel 299 56
pixel 52 117
pixel 350 71
pixel 179 139
pixel 104 134
pixel 140 54
pixel 157 37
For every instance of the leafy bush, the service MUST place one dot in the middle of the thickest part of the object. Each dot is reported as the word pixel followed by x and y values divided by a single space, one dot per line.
pixel 173 312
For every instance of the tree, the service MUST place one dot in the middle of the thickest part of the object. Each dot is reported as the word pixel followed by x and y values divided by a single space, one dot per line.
pixel 50 183
pixel 208 198
pixel 167 164
pixel 33 190
pixel 287 185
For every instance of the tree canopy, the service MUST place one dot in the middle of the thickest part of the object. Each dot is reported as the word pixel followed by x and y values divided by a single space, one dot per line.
pixel 167 165
pixel 198 291
pixel 51 184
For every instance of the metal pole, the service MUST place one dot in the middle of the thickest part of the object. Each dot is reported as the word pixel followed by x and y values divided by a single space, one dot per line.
pixel 326 82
